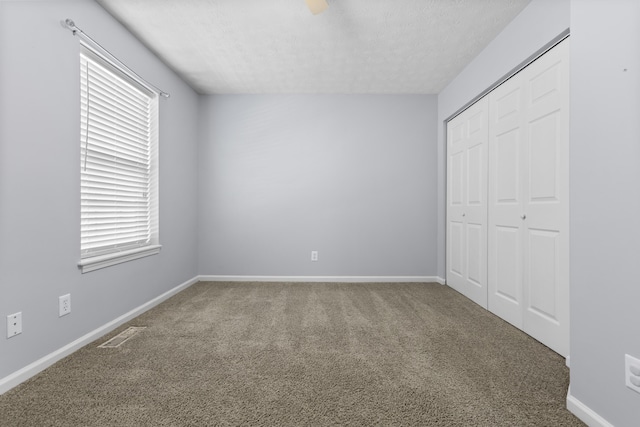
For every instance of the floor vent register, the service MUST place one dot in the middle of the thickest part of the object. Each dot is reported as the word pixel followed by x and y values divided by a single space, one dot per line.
pixel 122 337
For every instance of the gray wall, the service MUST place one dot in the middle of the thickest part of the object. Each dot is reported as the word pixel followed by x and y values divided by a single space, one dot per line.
pixel 352 176
pixel 605 203
pixel 536 25
pixel 40 181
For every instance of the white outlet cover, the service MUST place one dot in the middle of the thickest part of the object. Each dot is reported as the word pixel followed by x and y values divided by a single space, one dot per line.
pixel 14 324
pixel 64 305
pixel 632 365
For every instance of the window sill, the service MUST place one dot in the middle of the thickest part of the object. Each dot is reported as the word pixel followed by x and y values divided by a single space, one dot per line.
pixel 95 263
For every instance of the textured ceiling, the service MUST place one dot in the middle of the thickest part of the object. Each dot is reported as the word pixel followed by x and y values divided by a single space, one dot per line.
pixel 278 46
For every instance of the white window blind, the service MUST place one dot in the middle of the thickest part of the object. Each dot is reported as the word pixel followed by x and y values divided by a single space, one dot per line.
pixel 118 162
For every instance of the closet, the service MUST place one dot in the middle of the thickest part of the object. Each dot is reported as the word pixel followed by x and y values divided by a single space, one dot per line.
pixel 508 200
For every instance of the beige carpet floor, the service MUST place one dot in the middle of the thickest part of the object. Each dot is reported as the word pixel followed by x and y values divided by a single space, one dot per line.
pixel 296 354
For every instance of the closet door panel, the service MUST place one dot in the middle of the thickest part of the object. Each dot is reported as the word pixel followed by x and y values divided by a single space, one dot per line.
pixel 508 269
pixel 544 159
pixel 544 269
pixel 507 154
pixel 477 169
pixel 457 165
pixel 456 194
pixel 546 250
pixel 467 203
pixel 455 256
pixel 476 203
pixel 475 255
pixel 505 194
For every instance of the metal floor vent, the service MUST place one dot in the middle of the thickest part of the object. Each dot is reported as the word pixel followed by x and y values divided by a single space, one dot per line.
pixel 122 337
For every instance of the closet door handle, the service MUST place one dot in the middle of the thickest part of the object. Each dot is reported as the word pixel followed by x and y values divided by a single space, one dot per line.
pixel 523 216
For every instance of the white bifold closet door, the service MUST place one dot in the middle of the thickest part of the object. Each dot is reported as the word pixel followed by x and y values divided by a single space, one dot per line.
pixel 467 141
pixel 508 200
pixel 528 228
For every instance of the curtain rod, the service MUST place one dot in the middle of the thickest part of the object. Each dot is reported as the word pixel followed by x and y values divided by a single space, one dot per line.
pixel 70 25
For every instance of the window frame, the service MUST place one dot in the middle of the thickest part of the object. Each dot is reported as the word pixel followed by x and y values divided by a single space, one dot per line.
pixel 92 259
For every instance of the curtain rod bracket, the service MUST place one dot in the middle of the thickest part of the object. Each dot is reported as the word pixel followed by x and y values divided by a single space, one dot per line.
pixel 69 25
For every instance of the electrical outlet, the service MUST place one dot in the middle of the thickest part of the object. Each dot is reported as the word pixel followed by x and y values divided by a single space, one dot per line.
pixel 64 305
pixel 314 256
pixel 14 324
pixel 632 372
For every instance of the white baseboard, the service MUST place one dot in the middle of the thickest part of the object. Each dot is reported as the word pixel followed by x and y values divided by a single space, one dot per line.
pixel 586 414
pixel 342 279
pixel 441 280
pixel 12 380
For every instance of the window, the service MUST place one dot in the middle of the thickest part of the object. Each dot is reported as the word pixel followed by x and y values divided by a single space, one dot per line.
pixel 118 165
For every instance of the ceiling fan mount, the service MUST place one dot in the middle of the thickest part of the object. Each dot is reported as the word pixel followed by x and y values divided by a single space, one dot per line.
pixel 317 6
